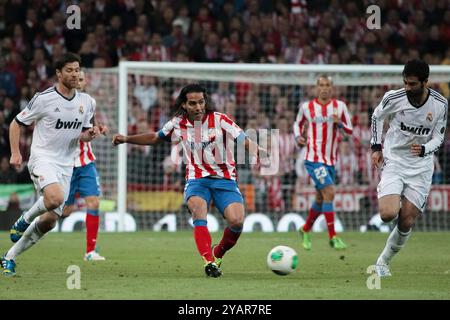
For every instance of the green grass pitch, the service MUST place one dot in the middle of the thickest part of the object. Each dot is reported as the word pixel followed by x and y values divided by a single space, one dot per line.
pixel 166 266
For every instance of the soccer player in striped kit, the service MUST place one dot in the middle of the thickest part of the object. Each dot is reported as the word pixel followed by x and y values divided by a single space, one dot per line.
pixel 207 138
pixel 326 118
pixel 85 182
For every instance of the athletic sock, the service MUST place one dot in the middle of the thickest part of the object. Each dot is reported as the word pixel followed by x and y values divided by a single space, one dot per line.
pixel 36 210
pixel 92 224
pixel 395 242
pixel 229 239
pixel 203 239
pixel 328 211
pixel 314 213
pixel 29 238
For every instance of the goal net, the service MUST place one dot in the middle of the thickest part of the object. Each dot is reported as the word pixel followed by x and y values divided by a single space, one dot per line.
pixel 145 183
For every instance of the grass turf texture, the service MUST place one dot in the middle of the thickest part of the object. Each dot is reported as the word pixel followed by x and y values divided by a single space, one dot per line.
pixel 162 265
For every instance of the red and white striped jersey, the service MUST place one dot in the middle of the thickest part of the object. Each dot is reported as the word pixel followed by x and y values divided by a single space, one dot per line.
pixel 322 132
pixel 208 145
pixel 84 154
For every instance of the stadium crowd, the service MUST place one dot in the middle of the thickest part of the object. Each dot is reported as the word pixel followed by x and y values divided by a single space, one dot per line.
pixel 33 34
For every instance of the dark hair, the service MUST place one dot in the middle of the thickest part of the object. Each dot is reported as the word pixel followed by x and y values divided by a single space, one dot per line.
pixel 416 68
pixel 182 98
pixel 67 58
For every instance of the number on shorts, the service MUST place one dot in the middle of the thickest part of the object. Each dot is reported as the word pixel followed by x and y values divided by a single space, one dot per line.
pixel 320 173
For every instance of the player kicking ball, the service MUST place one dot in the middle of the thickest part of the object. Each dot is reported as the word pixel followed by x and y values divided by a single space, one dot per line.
pixel 206 137
pixel 86 182
pixel 418 119
pixel 62 116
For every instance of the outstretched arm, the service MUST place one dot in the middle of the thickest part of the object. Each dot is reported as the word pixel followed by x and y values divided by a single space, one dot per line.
pixel 140 139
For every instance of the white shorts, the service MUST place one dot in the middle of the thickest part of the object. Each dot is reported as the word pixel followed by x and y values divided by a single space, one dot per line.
pixel 414 187
pixel 42 174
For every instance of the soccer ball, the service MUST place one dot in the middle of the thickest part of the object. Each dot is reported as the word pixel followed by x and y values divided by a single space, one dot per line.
pixel 282 260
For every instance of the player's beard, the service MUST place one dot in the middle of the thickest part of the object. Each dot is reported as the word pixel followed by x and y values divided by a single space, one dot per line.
pixel 415 95
pixel 69 84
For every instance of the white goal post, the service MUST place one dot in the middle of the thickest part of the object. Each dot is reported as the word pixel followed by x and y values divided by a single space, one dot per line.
pixel 289 76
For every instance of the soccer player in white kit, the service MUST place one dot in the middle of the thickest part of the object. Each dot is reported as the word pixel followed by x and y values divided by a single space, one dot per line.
pixel 86 182
pixel 62 116
pixel 418 118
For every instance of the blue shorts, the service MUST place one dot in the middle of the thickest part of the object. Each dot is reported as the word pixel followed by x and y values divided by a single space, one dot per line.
pixel 321 174
pixel 222 191
pixel 85 181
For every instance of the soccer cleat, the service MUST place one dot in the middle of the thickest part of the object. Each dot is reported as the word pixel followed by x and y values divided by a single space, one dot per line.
pixel 218 261
pixel 382 270
pixel 337 243
pixel 93 256
pixel 9 266
pixel 306 240
pixel 212 270
pixel 18 229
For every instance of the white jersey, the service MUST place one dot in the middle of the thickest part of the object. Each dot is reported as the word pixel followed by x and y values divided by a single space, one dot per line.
pixel 59 123
pixel 84 154
pixel 408 124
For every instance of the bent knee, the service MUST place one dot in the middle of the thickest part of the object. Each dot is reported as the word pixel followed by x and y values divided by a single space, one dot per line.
pixel 92 203
pixel 236 222
pixel 197 208
pixel 54 201
pixel 328 194
pixel 388 214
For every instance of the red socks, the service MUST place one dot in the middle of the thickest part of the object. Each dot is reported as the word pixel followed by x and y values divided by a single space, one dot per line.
pixel 229 239
pixel 329 217
pixel 92 224
pixel 312 216
pixel 203 240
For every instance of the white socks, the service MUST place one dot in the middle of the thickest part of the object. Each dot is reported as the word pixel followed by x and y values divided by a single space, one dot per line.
pixel 394 243
pixel 36 210
pixel 29 238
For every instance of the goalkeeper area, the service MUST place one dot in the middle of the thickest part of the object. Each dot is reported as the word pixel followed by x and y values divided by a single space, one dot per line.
pixel 162 266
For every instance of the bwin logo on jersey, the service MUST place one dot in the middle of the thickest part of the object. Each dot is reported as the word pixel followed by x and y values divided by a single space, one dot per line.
pixel 416 130
pixel 68 124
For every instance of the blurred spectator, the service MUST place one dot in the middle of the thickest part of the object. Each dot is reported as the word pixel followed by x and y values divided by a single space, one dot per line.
pixel 10 109
pixel 43 69
pixel 7 173
pixel 146 91
pixel 438 175
pixel 287 148
pixel 4 136
pixel 7 80
pixel 283 31
pixel 346 164
pixel 156 51
pixel 222 95
pixel 12 213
